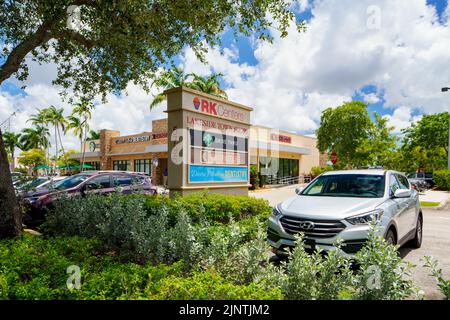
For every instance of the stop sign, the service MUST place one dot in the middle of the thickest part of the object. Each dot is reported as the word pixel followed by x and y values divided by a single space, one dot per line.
pixel 333 157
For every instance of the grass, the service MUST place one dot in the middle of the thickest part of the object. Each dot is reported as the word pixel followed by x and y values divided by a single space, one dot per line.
pixel 429 204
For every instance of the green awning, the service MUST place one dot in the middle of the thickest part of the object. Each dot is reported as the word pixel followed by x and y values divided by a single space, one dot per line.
pixel 42 167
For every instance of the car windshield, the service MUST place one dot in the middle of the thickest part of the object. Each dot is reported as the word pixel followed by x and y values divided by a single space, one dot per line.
pixel 70 181
pixel 347 185
pixel 35 183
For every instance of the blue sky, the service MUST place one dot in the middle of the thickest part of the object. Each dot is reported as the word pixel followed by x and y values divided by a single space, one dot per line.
pixel 398 68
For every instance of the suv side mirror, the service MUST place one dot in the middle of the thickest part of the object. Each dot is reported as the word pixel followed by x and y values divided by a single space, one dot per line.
pixel 299 190
pixel 402 193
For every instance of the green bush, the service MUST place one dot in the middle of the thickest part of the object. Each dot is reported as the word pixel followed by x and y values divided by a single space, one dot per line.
pixel 317 171
pixel 442 179
pixel 35 268
pixel 208 286
pixel 212 207
pixel 382 274
pixel 436 272
pixel 315 276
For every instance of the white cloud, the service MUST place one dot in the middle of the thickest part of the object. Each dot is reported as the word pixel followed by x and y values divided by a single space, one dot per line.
pixel 402 118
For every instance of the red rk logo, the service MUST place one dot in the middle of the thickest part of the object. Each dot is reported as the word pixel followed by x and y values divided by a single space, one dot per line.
pixel 206 106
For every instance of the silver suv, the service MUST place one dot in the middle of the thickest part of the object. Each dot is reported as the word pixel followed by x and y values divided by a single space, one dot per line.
pixel 341 204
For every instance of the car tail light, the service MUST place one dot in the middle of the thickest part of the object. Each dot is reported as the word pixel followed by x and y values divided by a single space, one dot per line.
pixel 413 186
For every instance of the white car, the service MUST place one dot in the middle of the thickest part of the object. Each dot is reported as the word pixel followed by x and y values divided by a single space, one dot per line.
pixel 341 204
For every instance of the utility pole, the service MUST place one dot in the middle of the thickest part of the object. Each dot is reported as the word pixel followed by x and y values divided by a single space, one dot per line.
pixel 446 89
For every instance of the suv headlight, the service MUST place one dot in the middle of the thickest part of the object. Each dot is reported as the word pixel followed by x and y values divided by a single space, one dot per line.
pixel 276 211
pixel 366 218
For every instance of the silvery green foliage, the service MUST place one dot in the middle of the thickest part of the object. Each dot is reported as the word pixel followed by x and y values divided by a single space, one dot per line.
pixel 382 274
pixel 315 276
pixel 436 272
pixel 183 242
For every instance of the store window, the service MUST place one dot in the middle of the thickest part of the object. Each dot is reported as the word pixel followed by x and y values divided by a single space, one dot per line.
pixel 121 165
pixel 94 164
pixel 143 166
pixel 274 169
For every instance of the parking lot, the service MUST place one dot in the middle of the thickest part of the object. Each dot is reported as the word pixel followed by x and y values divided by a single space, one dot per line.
pixel 436 240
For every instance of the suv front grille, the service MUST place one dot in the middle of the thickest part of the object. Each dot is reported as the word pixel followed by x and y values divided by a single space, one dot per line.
pixel 322 228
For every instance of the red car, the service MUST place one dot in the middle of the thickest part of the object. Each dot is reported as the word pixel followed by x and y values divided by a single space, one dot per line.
pixel 91 182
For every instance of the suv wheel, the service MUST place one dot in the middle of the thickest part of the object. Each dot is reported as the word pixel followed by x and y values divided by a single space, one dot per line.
pixel 390 237
pixel 417 241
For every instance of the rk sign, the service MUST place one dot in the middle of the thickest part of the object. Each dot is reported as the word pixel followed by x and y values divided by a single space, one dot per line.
pixel 209 143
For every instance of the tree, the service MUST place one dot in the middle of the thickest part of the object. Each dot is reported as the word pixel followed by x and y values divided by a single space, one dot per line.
pixel 10 221
pixel 93 135
pixel 33 158
pixel 209 84
pixel 12 141
pixel 83 110
pixel 176 77
pixel 35 138
pixel 342 130
pixel 56 117
pixel 168 79
pixel 425 143
pixel 74 124
pixel 380 145
pixel 40 121
pixel 114 43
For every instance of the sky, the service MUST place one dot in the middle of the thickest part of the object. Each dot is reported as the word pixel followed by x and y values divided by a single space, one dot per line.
pixel 393 55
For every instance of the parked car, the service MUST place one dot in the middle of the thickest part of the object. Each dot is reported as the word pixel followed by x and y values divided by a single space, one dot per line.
pixel 33 184
pixel 341 204
pixel 421 180
pixel 93 182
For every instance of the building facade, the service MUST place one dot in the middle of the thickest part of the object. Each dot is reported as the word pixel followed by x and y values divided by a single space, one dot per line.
pixel 277 154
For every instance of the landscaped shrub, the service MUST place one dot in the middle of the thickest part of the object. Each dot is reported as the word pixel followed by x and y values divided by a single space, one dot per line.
pixel 382 274
pixel 315 276
pixel 442 179
pixel 208 286
pixel 123 225
pixel 317 171
pixel 212 207
pixel 436 272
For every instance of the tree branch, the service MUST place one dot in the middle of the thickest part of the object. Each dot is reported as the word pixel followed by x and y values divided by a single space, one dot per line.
pixel 75 36
pixel 17 55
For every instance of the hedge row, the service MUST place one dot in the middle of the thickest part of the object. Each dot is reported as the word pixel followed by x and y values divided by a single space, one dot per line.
pixel 212 207
pixel 36 268
pixel 442 179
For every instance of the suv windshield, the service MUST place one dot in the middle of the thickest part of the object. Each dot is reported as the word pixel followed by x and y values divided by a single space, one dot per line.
pixel 70 181
pixel 347 185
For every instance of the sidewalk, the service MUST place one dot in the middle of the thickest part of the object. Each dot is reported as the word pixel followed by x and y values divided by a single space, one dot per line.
pixel 435 196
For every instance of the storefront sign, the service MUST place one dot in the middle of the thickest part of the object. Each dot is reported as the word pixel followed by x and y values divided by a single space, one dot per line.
pixel 93 146
pixel 215 174
pixel 161 135
pixel 133 139
pixel 215 108
pixel 280 138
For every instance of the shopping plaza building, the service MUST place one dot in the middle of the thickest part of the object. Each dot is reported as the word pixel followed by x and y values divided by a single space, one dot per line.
pixel 148 152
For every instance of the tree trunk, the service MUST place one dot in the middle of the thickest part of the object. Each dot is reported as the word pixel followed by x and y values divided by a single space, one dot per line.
pixel 84 147
pixel 10 217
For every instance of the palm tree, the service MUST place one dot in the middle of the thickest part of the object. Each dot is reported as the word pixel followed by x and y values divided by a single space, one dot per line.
pixel 55 116
pixel 35 138
pixel 175 77
pixel 93 135
pixel 83 110
pixel 11 141
pixel 74 124
pixel 39 120
pixel 209 84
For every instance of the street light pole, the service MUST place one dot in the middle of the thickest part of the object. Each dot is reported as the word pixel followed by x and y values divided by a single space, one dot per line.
pixel 446 89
